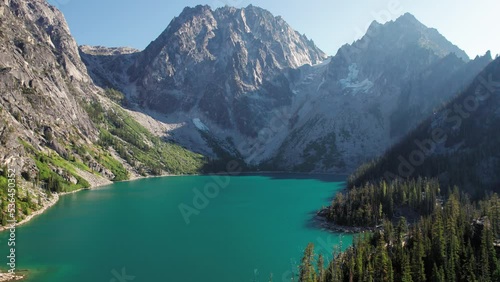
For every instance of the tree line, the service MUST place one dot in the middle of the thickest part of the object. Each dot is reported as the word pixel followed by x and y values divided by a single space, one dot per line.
pixel 458 241
pixel 371 204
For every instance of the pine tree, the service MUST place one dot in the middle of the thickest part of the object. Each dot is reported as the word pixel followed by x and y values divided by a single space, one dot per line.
pixel 384 271
pixel 406 269
pixel 307 271
pixel 438 239
pixel 468 264
pixel 437 274
pixel 321 268
pixel 418 266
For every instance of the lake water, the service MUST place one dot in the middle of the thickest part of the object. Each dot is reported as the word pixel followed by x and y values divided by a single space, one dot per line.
pixel 242 228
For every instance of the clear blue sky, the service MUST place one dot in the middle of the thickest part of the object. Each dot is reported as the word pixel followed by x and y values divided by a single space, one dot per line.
pixel 472 25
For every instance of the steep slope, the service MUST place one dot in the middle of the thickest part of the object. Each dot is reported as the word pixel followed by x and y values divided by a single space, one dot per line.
pixel 457 144
pixel 42 81
pixel 58 131
pixel 225 71
pixel 371 94
pixel 108 66
pixel 225 65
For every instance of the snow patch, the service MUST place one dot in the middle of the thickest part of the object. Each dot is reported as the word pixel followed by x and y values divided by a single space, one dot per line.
pixel 322 63
pixel 200 125
pixel 352 82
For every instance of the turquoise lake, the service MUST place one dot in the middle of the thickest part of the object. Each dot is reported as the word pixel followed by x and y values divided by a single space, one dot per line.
pixel 243 228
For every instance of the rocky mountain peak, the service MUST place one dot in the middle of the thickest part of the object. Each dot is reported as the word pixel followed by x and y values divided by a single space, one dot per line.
pixel 409 19
pixel 487 56
pixel 426 37
pixel 234 51
pixel 407 32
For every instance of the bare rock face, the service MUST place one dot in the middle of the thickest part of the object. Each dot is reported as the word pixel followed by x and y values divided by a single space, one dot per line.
pixel 108 66
pixel 42 80
pixel 227 65
pixel 371 94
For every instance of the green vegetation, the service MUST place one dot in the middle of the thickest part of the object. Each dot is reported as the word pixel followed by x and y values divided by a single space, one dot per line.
pixel 455 145
pixel 58 182
pixel 371 204
pixel 455 243
pixel 114 95
pixel 112 164
pixel 449 237
pixel 225 151
pixel 25 205
pixel 48 163
pixel 147 153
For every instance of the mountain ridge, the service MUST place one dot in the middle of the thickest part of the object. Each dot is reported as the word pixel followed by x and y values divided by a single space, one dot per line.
pixel 468 155
pixel 392 60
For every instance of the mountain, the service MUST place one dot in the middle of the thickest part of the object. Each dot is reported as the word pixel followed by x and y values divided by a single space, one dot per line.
pixel 42 80
pixel 436 190
pixel 241 83
pixel 458 144
pixel 371 94
pixel 225 65
pixel 227 69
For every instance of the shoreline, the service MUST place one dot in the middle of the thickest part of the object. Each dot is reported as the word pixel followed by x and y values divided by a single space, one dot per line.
pixel 6 277
pixel 322 222
pixel 51 203
pixel 56 197
pixel 95 185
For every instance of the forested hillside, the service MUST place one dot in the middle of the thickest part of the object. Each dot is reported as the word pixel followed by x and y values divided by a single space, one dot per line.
pixel 456 242
pixel 458 144
pixel 419 195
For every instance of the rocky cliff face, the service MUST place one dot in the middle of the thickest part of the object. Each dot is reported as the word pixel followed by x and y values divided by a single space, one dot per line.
pixel 372 93
pixel 108 66
pixel 43 83
pixel 42 80
pixel 227 66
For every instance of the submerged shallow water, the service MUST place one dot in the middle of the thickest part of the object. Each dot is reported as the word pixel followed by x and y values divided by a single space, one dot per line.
pixel 242 228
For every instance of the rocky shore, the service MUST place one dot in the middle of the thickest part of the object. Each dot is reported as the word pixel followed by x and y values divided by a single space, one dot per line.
pixel 5 277
pixel 49 203
pixel 321 221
